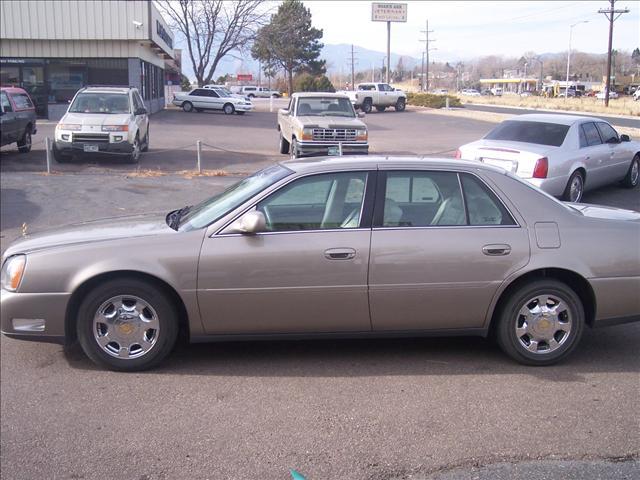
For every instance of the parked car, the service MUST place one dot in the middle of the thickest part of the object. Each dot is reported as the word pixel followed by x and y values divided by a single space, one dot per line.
pixel 440 91
pixel 378 95
pixel 496 91
pixel 200 99
pixel 330 248
pixel 264 92
pixel 526 94
pixel 564 155
pixel 486 92
pixel 225 92
pixel 253 91
pixel 471 92
pixel 636 95
pixel 17 118
pixel 103 120
pixel 321 124
pixel 601 95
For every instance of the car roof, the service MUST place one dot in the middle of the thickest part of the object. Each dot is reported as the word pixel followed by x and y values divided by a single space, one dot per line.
pixel 13 89
pixel 319 94
pixel 315 164
pixel 555 118
pixel 122 90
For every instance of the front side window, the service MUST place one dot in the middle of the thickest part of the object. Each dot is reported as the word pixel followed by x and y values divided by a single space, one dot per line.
pixel 109 103
pixel 608 134
pixel 199 92
pixel 6 104
pixel 539 133
pixel 591 134
pixel 318 202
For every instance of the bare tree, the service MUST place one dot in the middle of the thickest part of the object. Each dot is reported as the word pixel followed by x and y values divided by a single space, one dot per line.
pixel 213 29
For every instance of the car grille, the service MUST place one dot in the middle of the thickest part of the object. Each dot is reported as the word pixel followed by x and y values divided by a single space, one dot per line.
pixel 91 137
pixel 334 134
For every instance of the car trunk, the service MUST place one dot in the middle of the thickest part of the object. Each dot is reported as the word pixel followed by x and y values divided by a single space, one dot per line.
pixel 516 157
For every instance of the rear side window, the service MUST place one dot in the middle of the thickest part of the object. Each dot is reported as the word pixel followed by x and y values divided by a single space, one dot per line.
pixel 22 101
pixel 483 207
pixel 607 133
pixel 591 134
pixel 539 133
pixel 366 87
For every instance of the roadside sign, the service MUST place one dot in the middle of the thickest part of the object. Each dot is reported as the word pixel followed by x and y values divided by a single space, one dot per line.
pixel 244 77
pixel 388 12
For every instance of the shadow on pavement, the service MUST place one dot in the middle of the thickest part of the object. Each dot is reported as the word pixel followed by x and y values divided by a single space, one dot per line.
pixel 16 209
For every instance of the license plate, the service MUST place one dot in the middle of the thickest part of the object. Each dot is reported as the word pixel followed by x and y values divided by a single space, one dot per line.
pixel 505 164
pixel 91 148
pixel 333 151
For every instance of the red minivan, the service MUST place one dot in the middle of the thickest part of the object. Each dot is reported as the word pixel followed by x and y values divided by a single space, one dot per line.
pixel 17 118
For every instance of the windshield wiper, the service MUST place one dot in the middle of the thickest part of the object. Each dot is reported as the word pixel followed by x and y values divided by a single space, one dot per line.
pixel 173 217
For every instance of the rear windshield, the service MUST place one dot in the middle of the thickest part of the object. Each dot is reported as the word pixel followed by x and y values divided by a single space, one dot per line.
pixel 552 134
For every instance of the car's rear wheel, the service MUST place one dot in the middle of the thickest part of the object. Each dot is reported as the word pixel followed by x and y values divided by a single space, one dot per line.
pixel 24 144
pixel 575 188
pixel 541 323
pixel 401 104
pixel 381 109
pixel 127 325
pixel 367 105
pixel 187 107
pixel 228 109
pixel 631 179
pixel 284 145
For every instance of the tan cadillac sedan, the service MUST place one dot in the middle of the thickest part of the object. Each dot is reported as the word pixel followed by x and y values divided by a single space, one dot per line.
pixel 342 247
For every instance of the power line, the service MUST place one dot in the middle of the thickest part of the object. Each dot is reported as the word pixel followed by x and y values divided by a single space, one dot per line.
pixel 353 61
pixel 426 41
pixel 609 13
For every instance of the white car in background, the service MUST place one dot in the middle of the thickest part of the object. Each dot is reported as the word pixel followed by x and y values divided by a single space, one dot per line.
pixel 200 99
pixel 601 95
pixel 225 92
pixel 471 92
pixel 564 155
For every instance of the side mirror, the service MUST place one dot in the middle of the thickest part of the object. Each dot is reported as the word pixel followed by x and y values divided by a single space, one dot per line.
pixel 625 138
pixel 141 111
pixel 250 223
pixel 284 111
pixel 361 114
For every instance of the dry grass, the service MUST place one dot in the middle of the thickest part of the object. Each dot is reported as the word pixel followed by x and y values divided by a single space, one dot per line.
pixel 145 174
pixel 203 173
pixel 618 106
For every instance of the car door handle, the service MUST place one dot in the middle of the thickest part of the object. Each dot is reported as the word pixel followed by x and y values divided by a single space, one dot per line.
pixel 496 250
pixel 340 253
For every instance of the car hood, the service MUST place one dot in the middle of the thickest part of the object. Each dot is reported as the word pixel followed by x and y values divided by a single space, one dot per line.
pixel 96 119
pixel 94 231
pixel 607 213
pixel 330 122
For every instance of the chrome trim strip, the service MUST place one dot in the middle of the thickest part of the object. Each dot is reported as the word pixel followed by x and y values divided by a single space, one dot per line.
pixel 28 324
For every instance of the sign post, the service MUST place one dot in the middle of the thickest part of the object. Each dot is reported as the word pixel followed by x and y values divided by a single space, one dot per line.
pixel 388 12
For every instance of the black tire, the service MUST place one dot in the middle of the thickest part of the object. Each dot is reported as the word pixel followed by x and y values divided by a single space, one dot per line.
pixel 401 104
pixel 631 178
pixel 167 317
pixel 24 144
pixel 284 145
pixel 145 146
pixel 367 105
pixel 228 109
pixel 294 148
pixel 187 107
pixel 134 157
pixel 251 96
pixel 510 318
pixel 275 95
pixel 59 156
pixel 575 188
pixel 240 113
pixel 381 109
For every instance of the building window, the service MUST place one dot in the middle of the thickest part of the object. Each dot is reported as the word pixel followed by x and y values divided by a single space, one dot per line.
pixel 152 81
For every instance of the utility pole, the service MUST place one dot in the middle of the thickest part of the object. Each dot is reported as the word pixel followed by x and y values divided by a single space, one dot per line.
pixel 382 70
pixel 612 15
pixel 388 49
pixel 353 61
pixel 427 41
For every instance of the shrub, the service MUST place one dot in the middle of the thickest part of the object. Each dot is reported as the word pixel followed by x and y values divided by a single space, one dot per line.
pixel 432 101
pixel 308 83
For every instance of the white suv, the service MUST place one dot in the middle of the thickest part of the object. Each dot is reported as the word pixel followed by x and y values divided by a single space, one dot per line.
pixel 110 120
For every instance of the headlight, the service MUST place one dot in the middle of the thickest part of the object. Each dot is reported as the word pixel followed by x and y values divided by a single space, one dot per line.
pixel 12 271
pixel 306 134
pixel 69 126
pixel 361 134
pixel 115 128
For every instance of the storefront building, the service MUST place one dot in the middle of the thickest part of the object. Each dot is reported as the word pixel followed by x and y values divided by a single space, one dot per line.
pixel 54 48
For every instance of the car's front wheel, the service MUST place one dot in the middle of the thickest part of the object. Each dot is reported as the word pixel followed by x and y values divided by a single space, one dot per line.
pixel 294 148
pixel 541 323
pixel 59 156
pixel 631 178
pixel 134 157
pixel 24 144
pixel 401 104
pixel 575 188
pixel 145 146
pixel 228 109
pixel 284 145
pixel 127 325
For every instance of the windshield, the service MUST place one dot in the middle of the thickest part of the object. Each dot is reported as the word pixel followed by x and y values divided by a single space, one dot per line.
pixel 325 106
pixel 223 92
pixel 539 133
pixel 214 208
pixel 100 103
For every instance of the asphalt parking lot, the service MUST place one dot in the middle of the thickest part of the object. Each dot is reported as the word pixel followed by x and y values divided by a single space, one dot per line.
pixel 384 409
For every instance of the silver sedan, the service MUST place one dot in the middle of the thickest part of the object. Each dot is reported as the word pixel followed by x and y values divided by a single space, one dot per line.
pixel 564 155
pixel 343 247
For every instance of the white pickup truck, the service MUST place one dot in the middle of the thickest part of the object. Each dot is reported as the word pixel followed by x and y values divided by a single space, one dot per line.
pixel 379 95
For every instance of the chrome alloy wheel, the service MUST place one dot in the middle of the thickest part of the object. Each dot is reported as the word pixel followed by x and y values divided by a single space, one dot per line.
pixel 544 324
pixel 635 172
pixel 126 327
pixel 575 189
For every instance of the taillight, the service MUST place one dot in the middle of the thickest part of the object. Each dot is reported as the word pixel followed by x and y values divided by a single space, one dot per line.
pixel 458 154
pixel 542 168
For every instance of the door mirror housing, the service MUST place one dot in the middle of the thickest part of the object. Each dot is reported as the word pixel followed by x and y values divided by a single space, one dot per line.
pixel 250 223
pixel 141 111
pixel 625 138
pixel 284 111
pixel 361 114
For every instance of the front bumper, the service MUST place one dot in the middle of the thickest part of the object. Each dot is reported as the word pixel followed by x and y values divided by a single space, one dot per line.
pixel 244 108
pixel 322 148
pixel 34 316
pixel 123 147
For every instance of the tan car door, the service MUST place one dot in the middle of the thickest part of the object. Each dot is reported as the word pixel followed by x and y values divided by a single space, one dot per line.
pixel 306 274
pixel 438 256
